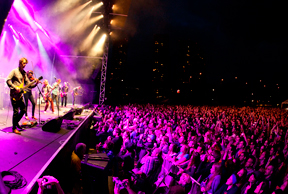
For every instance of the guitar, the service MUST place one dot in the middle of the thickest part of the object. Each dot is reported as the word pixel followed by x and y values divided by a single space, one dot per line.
pixel 45 96
pixel 15 95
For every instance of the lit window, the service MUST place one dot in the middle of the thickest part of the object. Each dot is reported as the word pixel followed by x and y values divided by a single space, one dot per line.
pixel 111 73
pixel 235 77
pixel 156 42
pixel 187 61
pixel 213 90
pixel 188 55
pixel 222 80
pixel 183 67
pixel 162 64
pixel 252 94
pixel 190 76
pixel 188 46
pixel 200 73
pixel 162 44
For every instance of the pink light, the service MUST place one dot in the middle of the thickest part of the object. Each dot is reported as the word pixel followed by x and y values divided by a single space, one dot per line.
pixel 17 3
pixel 14 31
pixel 41 28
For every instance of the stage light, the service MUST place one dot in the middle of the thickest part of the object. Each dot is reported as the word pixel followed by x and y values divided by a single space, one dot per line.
pixel 98 47
pixel 98 5
pixel 111 21
pixel 88 40
pixel 102 16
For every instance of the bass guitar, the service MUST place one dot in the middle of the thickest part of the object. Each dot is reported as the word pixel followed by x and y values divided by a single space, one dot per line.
pixel 15 95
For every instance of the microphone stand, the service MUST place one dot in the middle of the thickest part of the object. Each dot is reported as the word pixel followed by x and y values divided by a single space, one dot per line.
pixel 40 93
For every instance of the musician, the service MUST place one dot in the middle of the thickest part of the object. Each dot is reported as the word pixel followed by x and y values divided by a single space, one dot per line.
pixel 15 80
pixel 46 92
pixel 56 92
pixel 75 93
pixel 64 91
pixel 28 96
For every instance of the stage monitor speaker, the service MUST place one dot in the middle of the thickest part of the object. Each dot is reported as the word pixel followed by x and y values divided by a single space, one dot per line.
pixel 70 114
pixel 78 111
pixel 53 125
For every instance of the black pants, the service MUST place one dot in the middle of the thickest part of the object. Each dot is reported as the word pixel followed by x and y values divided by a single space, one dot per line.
pixel 64 100
pixel 55 97
pixel 16 114
pixel 73 99
pixel 29 96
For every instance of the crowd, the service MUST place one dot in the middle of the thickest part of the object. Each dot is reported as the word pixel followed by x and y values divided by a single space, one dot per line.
pixel 188 149
pixel 224 149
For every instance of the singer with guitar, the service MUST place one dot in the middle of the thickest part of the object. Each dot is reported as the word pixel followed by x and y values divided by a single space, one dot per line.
pixel 75 92
pixel 46 92
pixel 16 80
pixel 63 94
pixel 56 92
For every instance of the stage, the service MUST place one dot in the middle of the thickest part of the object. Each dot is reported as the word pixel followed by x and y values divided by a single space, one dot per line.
pixel 29 152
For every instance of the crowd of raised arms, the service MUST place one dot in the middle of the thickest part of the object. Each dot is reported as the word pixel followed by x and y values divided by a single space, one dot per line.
pixel 226 149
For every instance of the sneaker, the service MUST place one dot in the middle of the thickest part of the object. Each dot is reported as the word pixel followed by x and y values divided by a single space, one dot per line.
pixel 27 118
pixel 34 118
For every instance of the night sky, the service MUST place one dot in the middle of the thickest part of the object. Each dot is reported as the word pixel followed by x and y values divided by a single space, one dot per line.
pixel 239 38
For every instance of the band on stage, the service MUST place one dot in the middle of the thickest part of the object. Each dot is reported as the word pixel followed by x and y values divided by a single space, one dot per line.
pixel 21 84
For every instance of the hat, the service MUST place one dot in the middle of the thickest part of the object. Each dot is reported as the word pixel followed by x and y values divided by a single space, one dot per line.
pixel 234 179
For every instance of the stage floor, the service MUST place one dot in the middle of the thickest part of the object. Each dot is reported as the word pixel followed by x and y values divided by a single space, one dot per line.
pixel 27 153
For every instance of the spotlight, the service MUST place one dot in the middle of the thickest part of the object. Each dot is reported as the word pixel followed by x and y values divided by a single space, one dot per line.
pixel 111 21
pixel 102 16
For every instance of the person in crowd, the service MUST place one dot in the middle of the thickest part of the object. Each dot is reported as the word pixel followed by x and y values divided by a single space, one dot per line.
pixel 75 169
pixel 117 140
pixel 152 163
pixel 262 188
pixel 183 156
pixel 250 185
pixel 183 186
pixel 230 186
pixel 212 182
pixel 49 183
